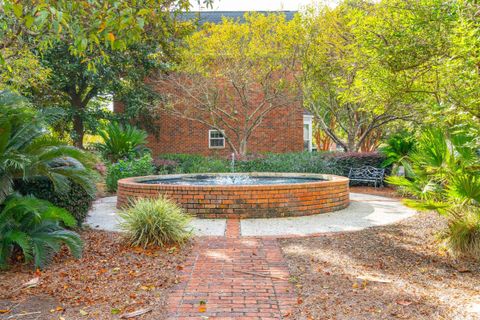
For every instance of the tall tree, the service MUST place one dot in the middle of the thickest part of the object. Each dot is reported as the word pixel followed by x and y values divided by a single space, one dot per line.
pixel 350 74
pixel 233 74
pixel 89 49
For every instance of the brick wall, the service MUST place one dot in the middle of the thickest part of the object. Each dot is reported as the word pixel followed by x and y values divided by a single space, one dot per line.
pixel 257 201
pixel 281 131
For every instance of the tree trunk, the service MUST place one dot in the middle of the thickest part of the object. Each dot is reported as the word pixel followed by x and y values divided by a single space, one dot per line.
pixel 78 125
pixel 243 147
pixel 79 130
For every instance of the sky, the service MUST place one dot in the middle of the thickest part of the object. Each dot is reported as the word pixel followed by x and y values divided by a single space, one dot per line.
pixel 260 5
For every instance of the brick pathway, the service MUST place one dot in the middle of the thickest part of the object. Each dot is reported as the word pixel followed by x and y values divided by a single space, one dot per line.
pixel 237 278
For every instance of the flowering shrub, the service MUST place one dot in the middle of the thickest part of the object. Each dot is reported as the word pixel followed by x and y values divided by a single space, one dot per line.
pixel 128 168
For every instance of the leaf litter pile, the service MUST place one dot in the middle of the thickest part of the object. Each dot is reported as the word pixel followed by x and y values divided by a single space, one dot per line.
pixel 389 272
pixel 111 281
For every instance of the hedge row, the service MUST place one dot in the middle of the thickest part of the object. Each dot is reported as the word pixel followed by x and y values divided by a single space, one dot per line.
pixel 327 162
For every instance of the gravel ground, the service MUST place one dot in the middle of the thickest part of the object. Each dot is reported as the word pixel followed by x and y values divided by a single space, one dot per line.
pixel 111 279
pixel 389 272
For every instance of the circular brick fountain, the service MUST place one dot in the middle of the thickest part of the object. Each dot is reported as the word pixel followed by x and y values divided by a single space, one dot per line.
pixel 282 194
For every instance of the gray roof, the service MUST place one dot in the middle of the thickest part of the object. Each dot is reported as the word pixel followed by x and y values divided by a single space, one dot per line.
pixel 216 16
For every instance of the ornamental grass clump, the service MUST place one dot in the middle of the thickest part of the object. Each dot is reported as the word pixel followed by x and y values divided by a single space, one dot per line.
pixel 155 222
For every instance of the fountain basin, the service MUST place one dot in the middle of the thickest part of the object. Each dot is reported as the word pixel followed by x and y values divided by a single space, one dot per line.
pixel 240 195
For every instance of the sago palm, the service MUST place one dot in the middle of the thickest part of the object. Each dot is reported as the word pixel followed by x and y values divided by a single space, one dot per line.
pixel 27 150
pixel 121 141
pixel 446 178
pixel 35 228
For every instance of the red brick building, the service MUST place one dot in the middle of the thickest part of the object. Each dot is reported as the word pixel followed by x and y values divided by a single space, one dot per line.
pixel 284 129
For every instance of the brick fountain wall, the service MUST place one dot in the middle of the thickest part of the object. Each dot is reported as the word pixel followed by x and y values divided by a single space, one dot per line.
pixel 253 201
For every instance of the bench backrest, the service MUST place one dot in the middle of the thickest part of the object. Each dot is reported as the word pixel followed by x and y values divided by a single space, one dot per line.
pixel 366 172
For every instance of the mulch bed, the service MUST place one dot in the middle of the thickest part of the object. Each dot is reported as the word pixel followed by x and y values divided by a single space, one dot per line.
pixel 390 272
pixel 110 280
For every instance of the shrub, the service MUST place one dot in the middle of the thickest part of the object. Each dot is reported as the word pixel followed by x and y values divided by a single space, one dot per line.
pixel 445 177
pixel 188 163
pixel 76 200
pixel 155 222
pixel 128 168
pixel 27 149
pixel 308 162
pixel 121 142
pixel 34 227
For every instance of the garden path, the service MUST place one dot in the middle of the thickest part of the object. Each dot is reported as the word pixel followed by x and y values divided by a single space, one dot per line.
pixel 233 277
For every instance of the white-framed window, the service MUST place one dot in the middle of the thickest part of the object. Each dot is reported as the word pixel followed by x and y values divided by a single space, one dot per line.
pixel 216 139
pixel 307 132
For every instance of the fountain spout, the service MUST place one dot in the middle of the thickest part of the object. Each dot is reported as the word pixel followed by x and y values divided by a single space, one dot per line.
pixel 232 163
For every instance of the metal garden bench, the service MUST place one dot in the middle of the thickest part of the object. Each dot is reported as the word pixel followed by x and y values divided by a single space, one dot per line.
pixel 367 174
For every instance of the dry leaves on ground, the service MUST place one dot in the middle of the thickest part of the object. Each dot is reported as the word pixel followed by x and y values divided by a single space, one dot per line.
pixel 390 272
pixel 109 281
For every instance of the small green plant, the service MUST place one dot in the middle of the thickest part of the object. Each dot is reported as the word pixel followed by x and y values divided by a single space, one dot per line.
pixel 446 178
pixel 155 222
pixel 128 168
pixel 35 228
pixel 396 150
pixel 121 142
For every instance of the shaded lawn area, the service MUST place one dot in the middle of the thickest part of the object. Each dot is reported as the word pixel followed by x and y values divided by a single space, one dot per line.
pixel 389 272
pixel 110 279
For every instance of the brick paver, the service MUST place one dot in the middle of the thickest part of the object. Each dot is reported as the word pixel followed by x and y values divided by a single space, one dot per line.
pixel 236 278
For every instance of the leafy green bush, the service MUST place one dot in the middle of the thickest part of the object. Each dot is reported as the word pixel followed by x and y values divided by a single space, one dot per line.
pixel 76 200
pixel 191 163
pixel 446 178
pixel 121 142
pixel 34 227
pixel 28 150
pixel 397 150
pixel 128 168
pixel 332 163
pixel 155 222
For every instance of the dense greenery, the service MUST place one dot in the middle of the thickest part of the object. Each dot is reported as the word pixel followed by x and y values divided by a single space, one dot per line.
pixel 128 168
pixel 396 150
pixel 155 222
pixel 446 177
pixel 121 142
pixel 29 226
pixel 332 163
pixel 27 150
pixel 76 200
pixel 35 228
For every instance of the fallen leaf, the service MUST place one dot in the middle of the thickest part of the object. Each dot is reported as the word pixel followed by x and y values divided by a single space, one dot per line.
pixel 202 307
pixel 83 312
pixel 115 311
pixel 404 302
pixel 3 311
pixel 135 313
pixel 32 283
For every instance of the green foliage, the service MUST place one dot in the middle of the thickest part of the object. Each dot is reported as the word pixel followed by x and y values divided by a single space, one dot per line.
pixel 446 178
pixel 331 163
pixel 35 228
pixel 155 222
pixel 76 201
pixel 396 150
pixel 128 168
pixel 121 142
pixel 27 150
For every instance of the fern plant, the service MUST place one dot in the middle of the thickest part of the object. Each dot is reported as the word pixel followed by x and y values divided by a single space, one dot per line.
pixel 121 142
pixel 35 228
pixel 27 150
pixel 446 178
